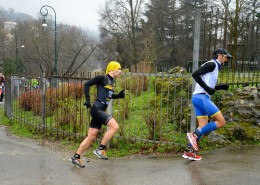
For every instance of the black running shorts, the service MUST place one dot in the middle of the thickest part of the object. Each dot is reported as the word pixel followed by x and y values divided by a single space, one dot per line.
pixel 99 117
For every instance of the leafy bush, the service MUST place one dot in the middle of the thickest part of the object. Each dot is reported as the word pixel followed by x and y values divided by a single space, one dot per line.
pixel 51 101
pixel 66 90
pixel 174 92
pixel 68 114
pixel 77 90
pixel 32 100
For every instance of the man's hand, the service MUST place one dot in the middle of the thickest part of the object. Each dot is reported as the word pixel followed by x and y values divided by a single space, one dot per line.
pixel 121 94
pixel 87 104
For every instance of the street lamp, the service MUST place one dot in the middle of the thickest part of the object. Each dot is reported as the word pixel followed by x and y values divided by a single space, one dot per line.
pixel 44 14
pixel 16 53
pixel 16 58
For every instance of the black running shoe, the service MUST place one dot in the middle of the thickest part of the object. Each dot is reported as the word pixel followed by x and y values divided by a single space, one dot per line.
pixel 78 162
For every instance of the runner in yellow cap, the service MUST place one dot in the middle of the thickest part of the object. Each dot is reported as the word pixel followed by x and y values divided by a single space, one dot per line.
pixel 105 92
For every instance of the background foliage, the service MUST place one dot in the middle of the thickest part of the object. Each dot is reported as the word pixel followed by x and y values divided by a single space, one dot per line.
pixel 159 32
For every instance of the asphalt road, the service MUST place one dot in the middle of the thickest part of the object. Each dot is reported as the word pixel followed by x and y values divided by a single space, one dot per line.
pixel 30 162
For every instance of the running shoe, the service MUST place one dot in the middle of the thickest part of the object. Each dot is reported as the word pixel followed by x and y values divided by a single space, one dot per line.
pixel 78 162
pixel 101 154
pixel 191 156
pixel 193 141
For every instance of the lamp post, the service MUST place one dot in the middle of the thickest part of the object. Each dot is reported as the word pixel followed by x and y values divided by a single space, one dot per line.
pixel 196 43
pixel 115 34
pixel 17 64
pixel 44 14
pixel 16 51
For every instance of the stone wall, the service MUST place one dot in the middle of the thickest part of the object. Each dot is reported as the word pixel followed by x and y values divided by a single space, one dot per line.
pixel 241 110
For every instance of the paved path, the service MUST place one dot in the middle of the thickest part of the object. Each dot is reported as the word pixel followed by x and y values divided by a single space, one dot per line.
pixel 27 162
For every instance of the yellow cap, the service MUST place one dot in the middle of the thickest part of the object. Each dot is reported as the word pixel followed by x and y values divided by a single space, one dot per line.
pixel 113 65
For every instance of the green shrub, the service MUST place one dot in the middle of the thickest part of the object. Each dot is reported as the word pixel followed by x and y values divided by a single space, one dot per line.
pixel 68 114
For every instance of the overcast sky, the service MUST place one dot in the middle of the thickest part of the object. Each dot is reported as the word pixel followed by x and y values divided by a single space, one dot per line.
pixel 83 13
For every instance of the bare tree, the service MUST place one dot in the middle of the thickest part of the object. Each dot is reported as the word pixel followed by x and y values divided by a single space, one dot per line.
pixel 121 17
pixel 74 49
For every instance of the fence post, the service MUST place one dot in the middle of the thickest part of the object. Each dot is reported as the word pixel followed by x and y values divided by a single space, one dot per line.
pixel 8 100
pixel 110 112
pixel 43 101
pixel 196 48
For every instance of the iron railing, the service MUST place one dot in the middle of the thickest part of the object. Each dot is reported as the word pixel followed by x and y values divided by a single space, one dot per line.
pixel 156 109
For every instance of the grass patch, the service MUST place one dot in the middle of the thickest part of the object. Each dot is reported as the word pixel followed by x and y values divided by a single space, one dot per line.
pixel 15 128
pixel 22 131
pixel 3 118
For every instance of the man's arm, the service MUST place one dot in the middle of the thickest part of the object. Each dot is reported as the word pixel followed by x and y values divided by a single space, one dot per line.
pixel 222 87
pixel 91 82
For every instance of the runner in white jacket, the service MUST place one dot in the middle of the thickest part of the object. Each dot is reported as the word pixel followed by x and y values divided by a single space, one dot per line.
pixel 206 78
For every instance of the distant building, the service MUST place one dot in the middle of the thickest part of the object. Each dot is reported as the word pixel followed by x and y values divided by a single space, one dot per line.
pixel 9 26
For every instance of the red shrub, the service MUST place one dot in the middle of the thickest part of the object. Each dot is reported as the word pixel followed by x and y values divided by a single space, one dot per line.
pixel 31 101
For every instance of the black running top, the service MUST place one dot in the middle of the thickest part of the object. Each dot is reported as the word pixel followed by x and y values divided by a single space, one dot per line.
pixel 105 88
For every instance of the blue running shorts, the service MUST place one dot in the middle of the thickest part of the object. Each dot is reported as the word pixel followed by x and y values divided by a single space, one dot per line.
pixel 203 106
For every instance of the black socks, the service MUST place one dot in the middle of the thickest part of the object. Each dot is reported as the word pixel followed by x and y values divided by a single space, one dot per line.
pixel 77 156
pixel 196 132
pixel 102 147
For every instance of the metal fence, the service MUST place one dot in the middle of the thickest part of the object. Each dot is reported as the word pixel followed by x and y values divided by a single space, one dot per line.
pixel 157 107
